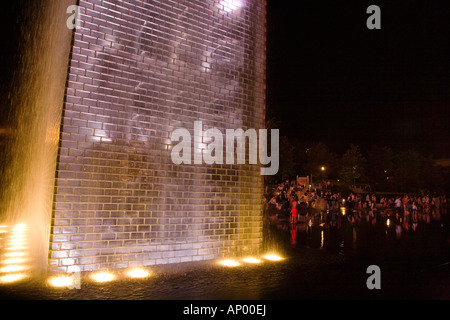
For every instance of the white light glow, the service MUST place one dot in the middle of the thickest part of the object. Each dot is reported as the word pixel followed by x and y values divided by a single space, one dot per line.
pixel 252 260
pixel 17 241
pixel 231 5
pixel 138 273
pixel 229 263
pixel 9 278
pixel 17 236
pixel 13 268
pixel 61 281
pixel 16 248
pixel 20 227
pixel 14 254
pixel 272 257
pixel 103 276
pixel 14 261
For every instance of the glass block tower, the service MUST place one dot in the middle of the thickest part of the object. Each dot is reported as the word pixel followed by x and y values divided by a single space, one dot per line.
pixel 139 70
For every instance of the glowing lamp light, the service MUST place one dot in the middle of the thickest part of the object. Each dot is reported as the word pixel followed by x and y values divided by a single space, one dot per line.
pixel 16 248
pixel 14 261
pixel 13 268
pixel 252 260
pixel 14 254
pixel 17 241
pixel 10 278
pixel 102 276
pixel 20 227
pixel 229 263
pixel 272 257
pixel 61 281
pixel 17 236
pixel 138 273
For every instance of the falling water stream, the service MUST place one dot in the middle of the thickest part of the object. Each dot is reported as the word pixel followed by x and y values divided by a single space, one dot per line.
pixel 35 61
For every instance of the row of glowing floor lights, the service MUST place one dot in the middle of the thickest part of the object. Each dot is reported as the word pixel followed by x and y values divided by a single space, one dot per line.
pixel 13 267
pixel 13 260
pixel 68 280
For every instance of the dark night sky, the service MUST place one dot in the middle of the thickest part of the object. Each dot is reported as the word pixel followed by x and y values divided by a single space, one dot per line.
pixel 331 79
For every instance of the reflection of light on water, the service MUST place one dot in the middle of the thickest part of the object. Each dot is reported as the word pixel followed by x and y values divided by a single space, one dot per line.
pixel 14 256
pixel 9 278
pixel 272 257
pixel 16 248
pixel 251 260
pixel 138 273
pixel 20 227
pixel 343 209
pixel 16 243
pixel 321 239
pixel 14 261
pixel 229 263
pixel 102 276
pixel 17 238
pixel 62 281
pixel 13 268
pixel 388 222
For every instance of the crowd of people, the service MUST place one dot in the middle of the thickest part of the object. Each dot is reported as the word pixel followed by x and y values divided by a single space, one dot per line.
pixel 287 199
pixel 409 210
pixel 291 201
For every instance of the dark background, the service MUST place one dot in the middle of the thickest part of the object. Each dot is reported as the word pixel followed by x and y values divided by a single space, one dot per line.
pixel 331 79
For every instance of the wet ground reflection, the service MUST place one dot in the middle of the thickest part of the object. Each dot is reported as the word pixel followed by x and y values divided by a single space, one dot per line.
pixel 324 257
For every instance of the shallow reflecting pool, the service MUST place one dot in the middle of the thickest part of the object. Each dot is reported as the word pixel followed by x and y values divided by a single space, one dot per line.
pixel 325 256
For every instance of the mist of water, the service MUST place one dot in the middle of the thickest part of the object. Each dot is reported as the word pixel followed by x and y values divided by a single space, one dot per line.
pixel 32 100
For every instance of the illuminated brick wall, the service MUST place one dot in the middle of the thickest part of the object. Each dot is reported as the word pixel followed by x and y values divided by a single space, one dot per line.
pixel 139 70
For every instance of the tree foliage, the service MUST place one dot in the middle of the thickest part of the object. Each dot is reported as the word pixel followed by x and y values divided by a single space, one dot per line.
pixel 381 167
pixel 352 165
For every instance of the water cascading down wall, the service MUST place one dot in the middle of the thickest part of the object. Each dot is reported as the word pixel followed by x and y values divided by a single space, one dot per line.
pixel 138 70
pixel 34 61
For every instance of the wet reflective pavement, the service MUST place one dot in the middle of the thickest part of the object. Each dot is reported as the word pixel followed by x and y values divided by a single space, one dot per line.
pixel 326 256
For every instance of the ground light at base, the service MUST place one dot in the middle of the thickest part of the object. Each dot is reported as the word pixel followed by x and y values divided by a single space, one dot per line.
pixel 10 278
pixel 252 260
pixel 138 273
pixel 61 281
pixel 102 276
pixel 229 263
pixel 249 260
pixel 64 281
pixel 272 257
